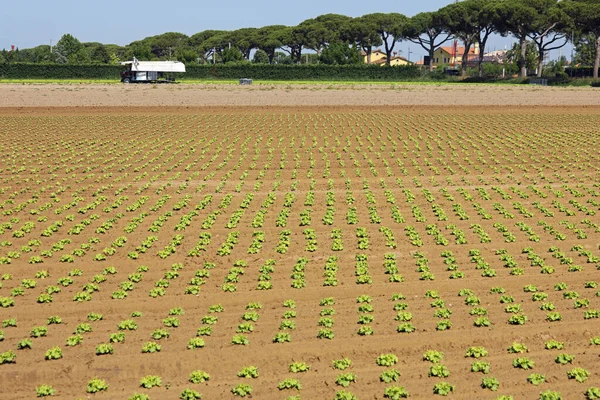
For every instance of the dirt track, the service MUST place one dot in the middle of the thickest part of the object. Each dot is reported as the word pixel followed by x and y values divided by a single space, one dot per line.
pixel 73 95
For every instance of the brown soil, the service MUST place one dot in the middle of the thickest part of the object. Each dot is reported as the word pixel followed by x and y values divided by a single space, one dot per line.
pixel 544 158
pixel 186 95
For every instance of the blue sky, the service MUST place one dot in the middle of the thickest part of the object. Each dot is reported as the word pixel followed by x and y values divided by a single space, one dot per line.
pixel 34 22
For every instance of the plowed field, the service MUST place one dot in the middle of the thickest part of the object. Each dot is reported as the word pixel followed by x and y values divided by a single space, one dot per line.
pixel 436 250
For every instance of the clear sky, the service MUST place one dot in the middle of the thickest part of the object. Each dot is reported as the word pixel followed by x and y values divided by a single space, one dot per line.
pixel 28 23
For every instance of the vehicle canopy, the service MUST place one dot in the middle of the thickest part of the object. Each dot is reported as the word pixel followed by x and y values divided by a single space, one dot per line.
pixel 154 66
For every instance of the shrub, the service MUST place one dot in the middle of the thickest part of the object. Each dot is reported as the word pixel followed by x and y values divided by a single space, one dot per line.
pixel 395 392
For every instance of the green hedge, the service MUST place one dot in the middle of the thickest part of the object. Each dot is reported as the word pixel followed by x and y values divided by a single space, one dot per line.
pixel 59 71
pixel 226 72
pixel 580 72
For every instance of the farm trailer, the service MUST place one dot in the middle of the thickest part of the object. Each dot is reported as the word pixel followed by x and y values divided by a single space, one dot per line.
pixel 151 71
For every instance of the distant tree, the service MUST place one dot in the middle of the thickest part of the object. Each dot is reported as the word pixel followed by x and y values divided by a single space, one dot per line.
pixel 585 17
pixel 282 58
pixel 364 34
pixel 100 55
pixel 518 18
pixel 269 39
pixel 186 55
pixel 244 39
pixel 231 55
pixel 515 54
pixel 390 27
pixel 471 21
pixel 340 54
pixel 66 49
pixel 584 50
pixel 260 57
pixel 426 30
pixel 293 40
pixel 205 43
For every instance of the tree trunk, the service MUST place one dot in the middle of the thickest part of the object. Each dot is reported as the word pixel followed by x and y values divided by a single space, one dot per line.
pixel 431 52
pixel 523 58
pixel 540 63
pixel 465 59
pixel 597 59
pixel 480 63
pixel 369 52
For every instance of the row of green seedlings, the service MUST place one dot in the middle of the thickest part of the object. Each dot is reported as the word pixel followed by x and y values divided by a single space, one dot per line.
pixel 326 320
pixel 434 231
pixel 481 264
pixel 391 268
pixel 237 215
pixel 298 273
pixel 363 238
pixel 135 254
pixel 459 234
pixel 259 219
pixel 480 313
pixel 208 321
pixel 287 324
pixel 201 245
pixel 282 217
pixel 413 236
pixel 423 267
pixel 233 276
pixel 536 260
pixel 229 244
pixel 247 326
pixel 258 238
pixel 484 237
pixel 97 385
pixel 264 278
pixel 311 240
pixel 452 265
pixel 578 302
pixel 199 278
pixel 531 235
pixel 92 286
pixel 365 315
pixel 441 311
pixel 564 260
pixel 580 234
pixel 403 316
pixel 160 286
pixel 252 372
pixel 591 258
pixel 330 273
pixel 336 240
pixel 362 270
pixel 509 237
pixel 552 231
pixel 129 285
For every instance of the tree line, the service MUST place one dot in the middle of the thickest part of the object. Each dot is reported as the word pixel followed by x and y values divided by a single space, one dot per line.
pixel 544 25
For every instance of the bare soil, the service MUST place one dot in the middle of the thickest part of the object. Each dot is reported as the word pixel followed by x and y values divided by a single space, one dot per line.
pixel 102 172
pixel 186 95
